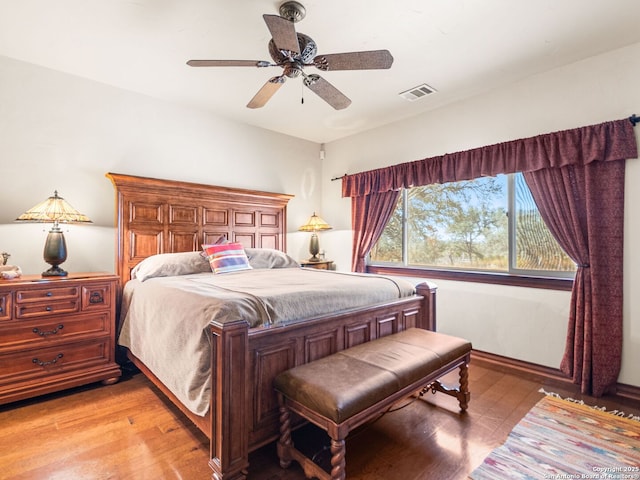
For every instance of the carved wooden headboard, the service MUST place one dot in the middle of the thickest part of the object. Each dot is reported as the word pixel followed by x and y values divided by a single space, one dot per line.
pixel 165 216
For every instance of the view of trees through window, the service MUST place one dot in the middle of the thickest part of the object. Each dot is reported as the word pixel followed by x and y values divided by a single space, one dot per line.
pixel 465 225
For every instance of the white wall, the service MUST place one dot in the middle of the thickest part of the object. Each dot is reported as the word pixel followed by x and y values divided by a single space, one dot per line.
pixel 63 132
pixel 528 324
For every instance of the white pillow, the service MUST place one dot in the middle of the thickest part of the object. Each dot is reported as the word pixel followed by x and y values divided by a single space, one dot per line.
pixel 269 258
pixel 170 264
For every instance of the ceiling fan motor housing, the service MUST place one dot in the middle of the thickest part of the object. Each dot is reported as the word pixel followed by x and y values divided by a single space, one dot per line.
pixel 294 62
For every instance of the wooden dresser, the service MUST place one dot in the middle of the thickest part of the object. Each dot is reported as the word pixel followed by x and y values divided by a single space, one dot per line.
pixel 56 333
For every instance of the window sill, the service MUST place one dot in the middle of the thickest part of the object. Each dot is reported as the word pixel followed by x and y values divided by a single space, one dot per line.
pixel 548 283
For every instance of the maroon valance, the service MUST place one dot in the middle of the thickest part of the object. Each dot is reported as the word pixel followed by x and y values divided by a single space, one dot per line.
pixel 580 146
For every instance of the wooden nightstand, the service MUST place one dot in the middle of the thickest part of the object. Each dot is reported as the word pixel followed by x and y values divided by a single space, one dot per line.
pixel 56 333
pixel 322 265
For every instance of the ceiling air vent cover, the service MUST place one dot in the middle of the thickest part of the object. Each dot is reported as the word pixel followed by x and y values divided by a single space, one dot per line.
pixel 417 92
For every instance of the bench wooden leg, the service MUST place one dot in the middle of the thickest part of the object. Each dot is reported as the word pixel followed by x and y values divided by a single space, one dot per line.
pixel 338 462
pixel 464 395
pixel 461 393
pixel 284 442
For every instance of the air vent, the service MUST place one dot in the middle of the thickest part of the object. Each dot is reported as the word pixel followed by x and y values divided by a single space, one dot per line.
pixel 417 92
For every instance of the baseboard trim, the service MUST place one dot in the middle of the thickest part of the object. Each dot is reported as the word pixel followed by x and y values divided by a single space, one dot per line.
pixel 540 372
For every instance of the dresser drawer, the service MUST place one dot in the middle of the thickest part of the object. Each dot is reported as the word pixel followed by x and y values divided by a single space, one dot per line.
pixel 96 297
pixel 32 333
pixel 32 310
pixel 48 293
pixel 5 306
pixel 47 301
pixel 49 361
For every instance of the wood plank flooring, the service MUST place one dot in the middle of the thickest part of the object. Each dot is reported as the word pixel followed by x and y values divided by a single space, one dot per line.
pixel 129 431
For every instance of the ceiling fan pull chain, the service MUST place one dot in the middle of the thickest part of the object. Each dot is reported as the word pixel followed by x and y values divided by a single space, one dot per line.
pixel 302 93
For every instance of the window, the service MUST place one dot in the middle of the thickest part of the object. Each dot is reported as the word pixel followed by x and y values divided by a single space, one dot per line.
pixel 490 224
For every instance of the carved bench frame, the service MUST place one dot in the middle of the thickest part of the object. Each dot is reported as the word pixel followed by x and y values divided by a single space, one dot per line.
pixel 339 431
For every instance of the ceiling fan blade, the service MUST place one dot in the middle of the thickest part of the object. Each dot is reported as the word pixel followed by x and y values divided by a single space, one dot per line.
pixel 283 33
pixel 327 92
pixel 267 91
pixel 228 63
pixel 369 60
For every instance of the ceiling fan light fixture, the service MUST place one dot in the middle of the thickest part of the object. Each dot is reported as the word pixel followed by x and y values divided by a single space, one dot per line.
pixel 309 80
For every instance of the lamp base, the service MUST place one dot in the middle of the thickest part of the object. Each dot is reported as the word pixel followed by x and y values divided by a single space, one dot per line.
pixel 55 271
pixel 55 252
pixel 314 248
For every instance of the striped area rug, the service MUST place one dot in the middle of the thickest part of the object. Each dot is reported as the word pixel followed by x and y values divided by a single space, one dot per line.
pixel 562 439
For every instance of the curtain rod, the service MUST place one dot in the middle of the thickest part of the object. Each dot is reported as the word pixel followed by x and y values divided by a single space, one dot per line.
pixel 634 119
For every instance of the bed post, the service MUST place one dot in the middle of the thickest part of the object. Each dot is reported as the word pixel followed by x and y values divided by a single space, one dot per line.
pixel 229 445
pixel 428 310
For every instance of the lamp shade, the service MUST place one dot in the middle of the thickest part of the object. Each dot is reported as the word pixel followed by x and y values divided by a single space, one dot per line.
pixel 54 209
pixel 315 224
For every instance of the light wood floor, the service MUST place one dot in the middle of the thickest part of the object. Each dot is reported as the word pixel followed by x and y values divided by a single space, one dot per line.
pixel 129 431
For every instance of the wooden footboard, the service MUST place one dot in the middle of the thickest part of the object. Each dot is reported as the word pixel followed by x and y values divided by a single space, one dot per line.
pixel 244 408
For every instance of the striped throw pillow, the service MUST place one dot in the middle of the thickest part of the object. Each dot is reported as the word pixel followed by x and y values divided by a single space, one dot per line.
pixel 228 257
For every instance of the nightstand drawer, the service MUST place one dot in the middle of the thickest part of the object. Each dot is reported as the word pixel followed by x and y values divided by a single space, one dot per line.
pixel 47 293
pixel 320 265
pixel 33 333
pixel 32 310
pixel 50 361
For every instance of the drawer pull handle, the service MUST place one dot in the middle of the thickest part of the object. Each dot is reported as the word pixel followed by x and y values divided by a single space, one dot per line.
pixel 44 333
pixel 50 362
pixel 49 294
pixel 48 309
pixel 96 297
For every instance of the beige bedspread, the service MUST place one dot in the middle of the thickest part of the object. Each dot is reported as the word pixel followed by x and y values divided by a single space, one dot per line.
pixel 165 319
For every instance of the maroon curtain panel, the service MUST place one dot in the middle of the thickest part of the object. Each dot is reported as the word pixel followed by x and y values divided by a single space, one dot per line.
pixel 369 216
pixel 583 206
pixel 577 180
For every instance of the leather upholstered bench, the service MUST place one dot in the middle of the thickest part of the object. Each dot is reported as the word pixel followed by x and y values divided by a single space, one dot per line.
pixel 347 389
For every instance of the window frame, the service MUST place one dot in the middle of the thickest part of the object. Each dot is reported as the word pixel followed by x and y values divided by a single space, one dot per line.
pixel 553 280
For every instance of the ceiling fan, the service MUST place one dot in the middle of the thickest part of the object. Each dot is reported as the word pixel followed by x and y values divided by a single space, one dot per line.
pixel 294 51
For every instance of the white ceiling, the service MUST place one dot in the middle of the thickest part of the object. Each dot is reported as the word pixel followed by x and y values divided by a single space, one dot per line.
pixel 459 47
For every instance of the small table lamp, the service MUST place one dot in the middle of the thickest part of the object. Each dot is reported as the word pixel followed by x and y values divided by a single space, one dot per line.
pixel 314 225
pixel 54 210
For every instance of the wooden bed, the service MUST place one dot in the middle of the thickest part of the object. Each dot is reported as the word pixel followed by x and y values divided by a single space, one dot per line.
pixel 161 216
